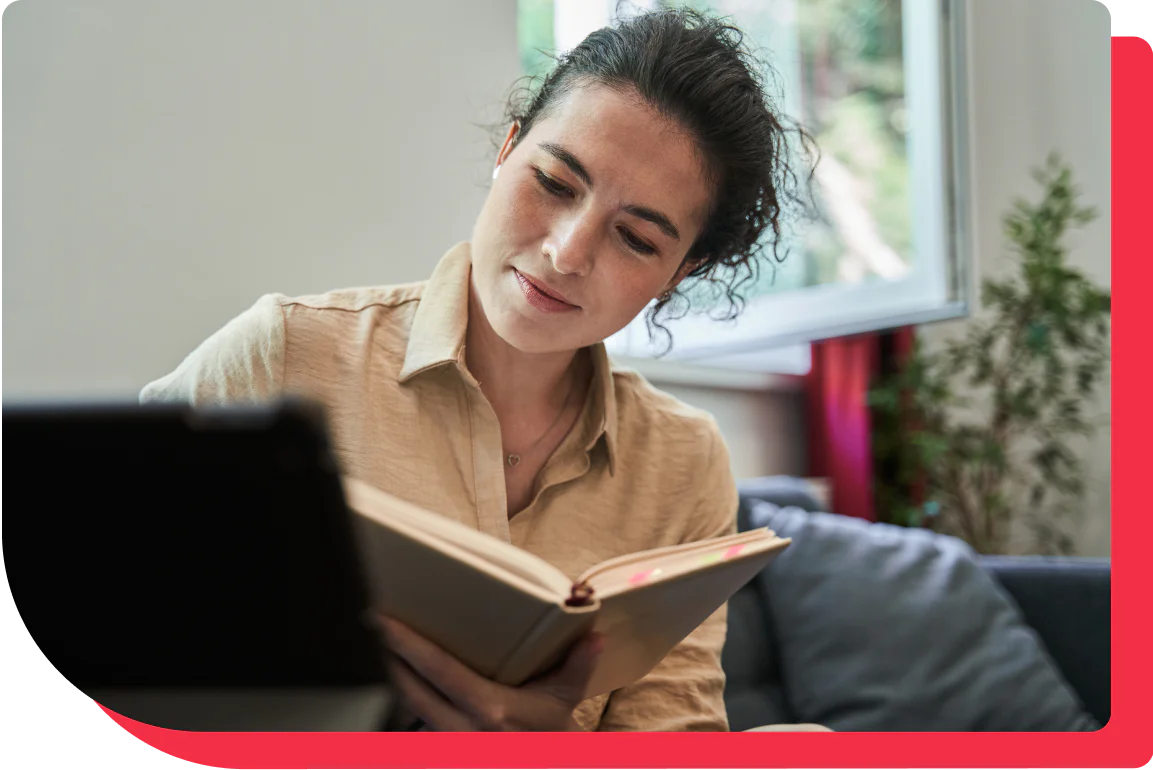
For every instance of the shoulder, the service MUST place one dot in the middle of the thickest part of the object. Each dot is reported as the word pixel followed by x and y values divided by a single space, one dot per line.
pixel 347 314
pixel 677 453
pixel 282 324
pixel 353 300
pixel 646 410
pixel 252 355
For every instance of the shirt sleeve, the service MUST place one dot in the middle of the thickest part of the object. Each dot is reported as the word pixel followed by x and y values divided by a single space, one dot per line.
pixel 686 690
pixel 242 362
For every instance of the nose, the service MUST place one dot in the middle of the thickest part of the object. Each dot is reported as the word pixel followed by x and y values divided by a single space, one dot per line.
pixel 571 246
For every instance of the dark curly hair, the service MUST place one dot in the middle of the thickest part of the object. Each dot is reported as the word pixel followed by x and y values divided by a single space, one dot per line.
pixel 698 71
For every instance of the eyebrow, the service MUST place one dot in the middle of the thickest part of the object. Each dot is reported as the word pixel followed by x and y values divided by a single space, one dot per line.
pixel 663 223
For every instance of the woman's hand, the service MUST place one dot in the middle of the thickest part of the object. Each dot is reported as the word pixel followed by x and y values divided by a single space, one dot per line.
pixel 450 696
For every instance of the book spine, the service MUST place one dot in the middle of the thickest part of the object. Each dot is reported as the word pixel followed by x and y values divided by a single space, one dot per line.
pixel 581 595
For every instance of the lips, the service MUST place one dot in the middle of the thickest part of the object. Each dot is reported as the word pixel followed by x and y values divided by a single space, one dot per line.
pixel 541 298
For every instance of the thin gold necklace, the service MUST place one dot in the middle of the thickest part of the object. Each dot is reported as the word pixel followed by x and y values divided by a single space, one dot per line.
pixel 513 458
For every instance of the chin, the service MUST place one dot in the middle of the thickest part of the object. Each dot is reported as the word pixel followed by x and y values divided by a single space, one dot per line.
pixel 527 337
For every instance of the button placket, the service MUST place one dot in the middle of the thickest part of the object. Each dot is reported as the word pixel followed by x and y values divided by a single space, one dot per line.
pixel 487 460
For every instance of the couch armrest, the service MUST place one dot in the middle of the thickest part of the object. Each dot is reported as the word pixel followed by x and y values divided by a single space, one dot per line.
pixel 1066 601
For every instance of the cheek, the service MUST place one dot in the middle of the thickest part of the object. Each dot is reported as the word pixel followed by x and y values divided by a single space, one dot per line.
pixel 500 217
pixel 521 214
pixel 629 287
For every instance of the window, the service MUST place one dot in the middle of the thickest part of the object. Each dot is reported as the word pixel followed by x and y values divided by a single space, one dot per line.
pixel 871 81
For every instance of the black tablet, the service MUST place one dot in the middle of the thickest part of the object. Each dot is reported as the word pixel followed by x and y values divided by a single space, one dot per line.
pixel 191 564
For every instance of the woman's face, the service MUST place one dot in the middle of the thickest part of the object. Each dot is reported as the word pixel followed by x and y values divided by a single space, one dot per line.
pixel 589 218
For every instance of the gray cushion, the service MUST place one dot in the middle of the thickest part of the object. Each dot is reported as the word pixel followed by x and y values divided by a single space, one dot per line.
pixel 886 628
pixel 785 491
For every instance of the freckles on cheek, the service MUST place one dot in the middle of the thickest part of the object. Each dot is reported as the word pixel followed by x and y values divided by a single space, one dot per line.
pixel 633 289
pixel 520 212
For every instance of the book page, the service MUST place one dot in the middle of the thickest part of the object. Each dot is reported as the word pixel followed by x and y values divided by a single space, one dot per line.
pixel 628 572
pixel 382 507
pixel 641 621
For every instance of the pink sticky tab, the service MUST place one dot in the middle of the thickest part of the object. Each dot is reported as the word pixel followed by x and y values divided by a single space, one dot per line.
pixel 640 577
pixel 733 551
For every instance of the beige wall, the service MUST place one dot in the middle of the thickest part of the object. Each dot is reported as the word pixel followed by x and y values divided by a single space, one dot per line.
pixel 165 163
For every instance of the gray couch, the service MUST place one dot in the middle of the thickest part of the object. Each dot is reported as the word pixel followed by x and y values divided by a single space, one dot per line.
pixel 863 626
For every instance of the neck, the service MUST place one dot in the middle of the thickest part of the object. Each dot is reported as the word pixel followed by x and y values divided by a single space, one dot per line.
pixel 512 379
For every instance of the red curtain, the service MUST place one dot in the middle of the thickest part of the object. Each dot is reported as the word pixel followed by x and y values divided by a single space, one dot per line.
pixel 839 425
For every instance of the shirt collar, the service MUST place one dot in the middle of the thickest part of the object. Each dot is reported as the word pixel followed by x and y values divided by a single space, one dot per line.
pixel 438 333
pixel 604 391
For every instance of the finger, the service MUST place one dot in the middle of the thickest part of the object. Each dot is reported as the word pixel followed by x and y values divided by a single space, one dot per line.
pixel 424 701
pixel 461 685
pixel 570 681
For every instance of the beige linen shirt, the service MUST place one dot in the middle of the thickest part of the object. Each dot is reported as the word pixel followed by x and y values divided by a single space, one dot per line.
pixel 638 470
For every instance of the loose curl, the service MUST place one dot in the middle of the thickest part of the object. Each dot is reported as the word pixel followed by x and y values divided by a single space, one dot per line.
pixel 696 70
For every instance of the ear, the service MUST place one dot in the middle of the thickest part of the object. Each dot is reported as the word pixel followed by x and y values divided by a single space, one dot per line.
pixel 506 148
pixel 688 266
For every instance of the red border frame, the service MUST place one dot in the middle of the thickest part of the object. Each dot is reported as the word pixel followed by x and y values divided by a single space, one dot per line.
pixel 1121 743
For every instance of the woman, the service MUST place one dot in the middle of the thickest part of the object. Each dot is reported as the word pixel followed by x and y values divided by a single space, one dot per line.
pixel 650 154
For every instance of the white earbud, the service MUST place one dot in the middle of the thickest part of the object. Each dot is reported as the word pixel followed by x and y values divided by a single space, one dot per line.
pixel 495 171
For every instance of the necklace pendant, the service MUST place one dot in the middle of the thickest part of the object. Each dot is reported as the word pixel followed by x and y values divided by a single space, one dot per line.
pixel 513 461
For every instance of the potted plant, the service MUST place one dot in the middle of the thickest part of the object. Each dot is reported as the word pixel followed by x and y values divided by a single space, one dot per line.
pixel 976 433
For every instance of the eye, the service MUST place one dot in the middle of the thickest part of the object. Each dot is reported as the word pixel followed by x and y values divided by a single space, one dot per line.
pixel 635 243
pixel 552 186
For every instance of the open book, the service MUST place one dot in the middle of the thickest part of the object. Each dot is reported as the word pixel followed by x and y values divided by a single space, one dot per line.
pixel 510 615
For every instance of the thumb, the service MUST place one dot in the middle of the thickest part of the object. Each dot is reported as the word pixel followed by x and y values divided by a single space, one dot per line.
pixel 570 681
